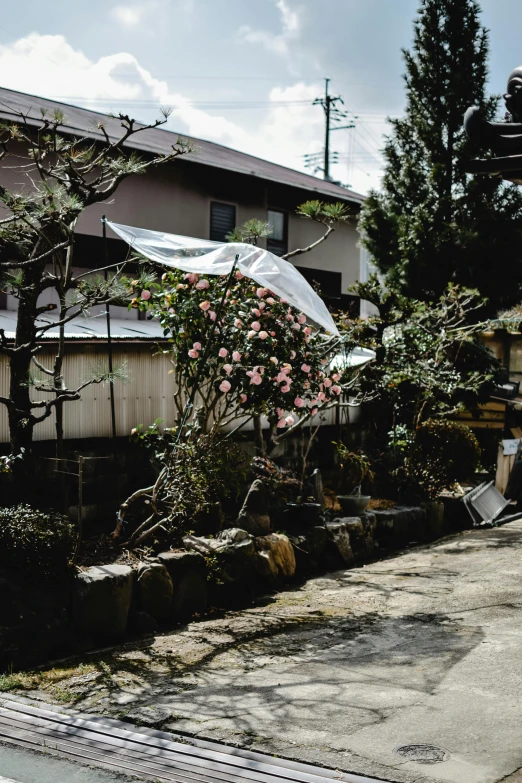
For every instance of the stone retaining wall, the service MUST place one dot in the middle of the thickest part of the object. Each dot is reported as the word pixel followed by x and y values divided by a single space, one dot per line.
pixel 103 604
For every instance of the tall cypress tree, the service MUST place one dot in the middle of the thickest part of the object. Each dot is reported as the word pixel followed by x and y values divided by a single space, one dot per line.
pixel 432 224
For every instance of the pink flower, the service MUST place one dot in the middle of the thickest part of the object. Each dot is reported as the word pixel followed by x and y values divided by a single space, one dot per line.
pixel 263 335
pixel 145 294
pixel 270 300
pixel 301 318
pixel 289 420
pixel 307 331
pixel 305 367
pixel 292 354
pixel 274 360
pixel 133 431
pixel 280 413
pixel 283 301
pixel 180 287
pixel 256 312
pixel 238 323
pixel 286 388
pixel 211 315
pixel 251 334
pixel 239 275
pixel 243 397
pixel 298 402
pixel 262 305
pixel 314 411
pixel 281 423
pixel 223 353
pixel 202 284
pixel 272 334
pixel 327 382
pixel 171 310
pixel 193 354
pixel 228 368
pixel 289 317
pixel 256 326
pixel 336 389
pixel 321 396
pixel 324 361
pixel 225 386
pixel 197 346
pixel 261 292
pixel 236 356
pixel 336 376
pixel 205 306
pixel 164 276
pixel 191 277
pixel 282 377
pixel 296 327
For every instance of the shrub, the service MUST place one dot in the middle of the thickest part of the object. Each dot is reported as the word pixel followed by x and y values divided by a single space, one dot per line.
pixel 36 541
pixel 354 469
pixel 443 453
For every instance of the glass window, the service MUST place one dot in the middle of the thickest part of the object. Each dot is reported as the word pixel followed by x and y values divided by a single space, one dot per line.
pixel 277 224
pixel 222 220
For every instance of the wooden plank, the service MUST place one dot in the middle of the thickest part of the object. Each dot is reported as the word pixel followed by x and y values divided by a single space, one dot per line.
pixel 191 761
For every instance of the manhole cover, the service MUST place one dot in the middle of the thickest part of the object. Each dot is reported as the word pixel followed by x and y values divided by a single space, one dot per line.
pixel 423 754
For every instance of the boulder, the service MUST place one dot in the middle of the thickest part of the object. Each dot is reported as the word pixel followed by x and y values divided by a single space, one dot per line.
pixel 142 622
pixel 339 539
pixel 190 596
pixel 101 600
pixel 399 525
pixel 309 548
pixel 188 573
pixel 361 531
pixel 233 550
pixel 274 559
pixel 254 516
pixel 153 590
pixel 178 563
pixel 297 516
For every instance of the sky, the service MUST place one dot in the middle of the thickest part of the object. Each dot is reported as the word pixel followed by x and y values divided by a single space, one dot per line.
pixel 243 73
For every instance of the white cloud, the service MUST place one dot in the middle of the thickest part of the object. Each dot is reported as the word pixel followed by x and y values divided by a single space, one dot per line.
pixel 49 66
pixel 127 15
pixel 279 44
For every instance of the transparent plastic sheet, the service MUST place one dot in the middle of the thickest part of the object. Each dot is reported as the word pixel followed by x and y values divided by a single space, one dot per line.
pixel 216 258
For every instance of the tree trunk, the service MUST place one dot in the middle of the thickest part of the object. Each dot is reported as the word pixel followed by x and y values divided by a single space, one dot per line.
pixel 21 422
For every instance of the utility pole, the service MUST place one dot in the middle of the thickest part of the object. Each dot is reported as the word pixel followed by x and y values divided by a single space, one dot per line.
pixel 331 113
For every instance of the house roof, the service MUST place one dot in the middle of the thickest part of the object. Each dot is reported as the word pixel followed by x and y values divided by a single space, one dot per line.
pixel 159 141
pixel 88 328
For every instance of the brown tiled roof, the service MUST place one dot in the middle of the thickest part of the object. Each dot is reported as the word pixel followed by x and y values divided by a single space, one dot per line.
pixel 159 141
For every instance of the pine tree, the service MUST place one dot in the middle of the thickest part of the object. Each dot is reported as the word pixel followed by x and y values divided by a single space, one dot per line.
pixel 433 224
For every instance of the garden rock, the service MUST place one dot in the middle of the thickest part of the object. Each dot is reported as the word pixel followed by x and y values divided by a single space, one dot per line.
pixel 400 524
pixel 178 563
pixel 361 531
pixel 190 596
pixel 274 559
pixel 101 600
pixel 154 590
pixel 301 515
pixel 233 549
pixel 339 539
pixel 309 548
pixel 316 487
pixel 142 622
pixel 254 516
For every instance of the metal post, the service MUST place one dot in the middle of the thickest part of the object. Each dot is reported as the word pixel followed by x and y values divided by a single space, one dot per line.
pixel 108 316
pixel 327 132
pixel 80 509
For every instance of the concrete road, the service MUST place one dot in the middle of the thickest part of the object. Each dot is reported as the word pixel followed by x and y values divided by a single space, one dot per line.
pixel 409 669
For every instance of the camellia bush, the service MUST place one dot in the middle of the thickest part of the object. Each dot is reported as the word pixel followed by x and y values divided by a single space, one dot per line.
pixel 253 356
pixel 263 357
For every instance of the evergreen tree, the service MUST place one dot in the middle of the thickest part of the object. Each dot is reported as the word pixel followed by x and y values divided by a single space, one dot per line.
pixel 432 223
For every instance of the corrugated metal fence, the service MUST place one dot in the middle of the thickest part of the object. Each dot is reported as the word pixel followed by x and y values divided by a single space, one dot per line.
pixel 147 395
